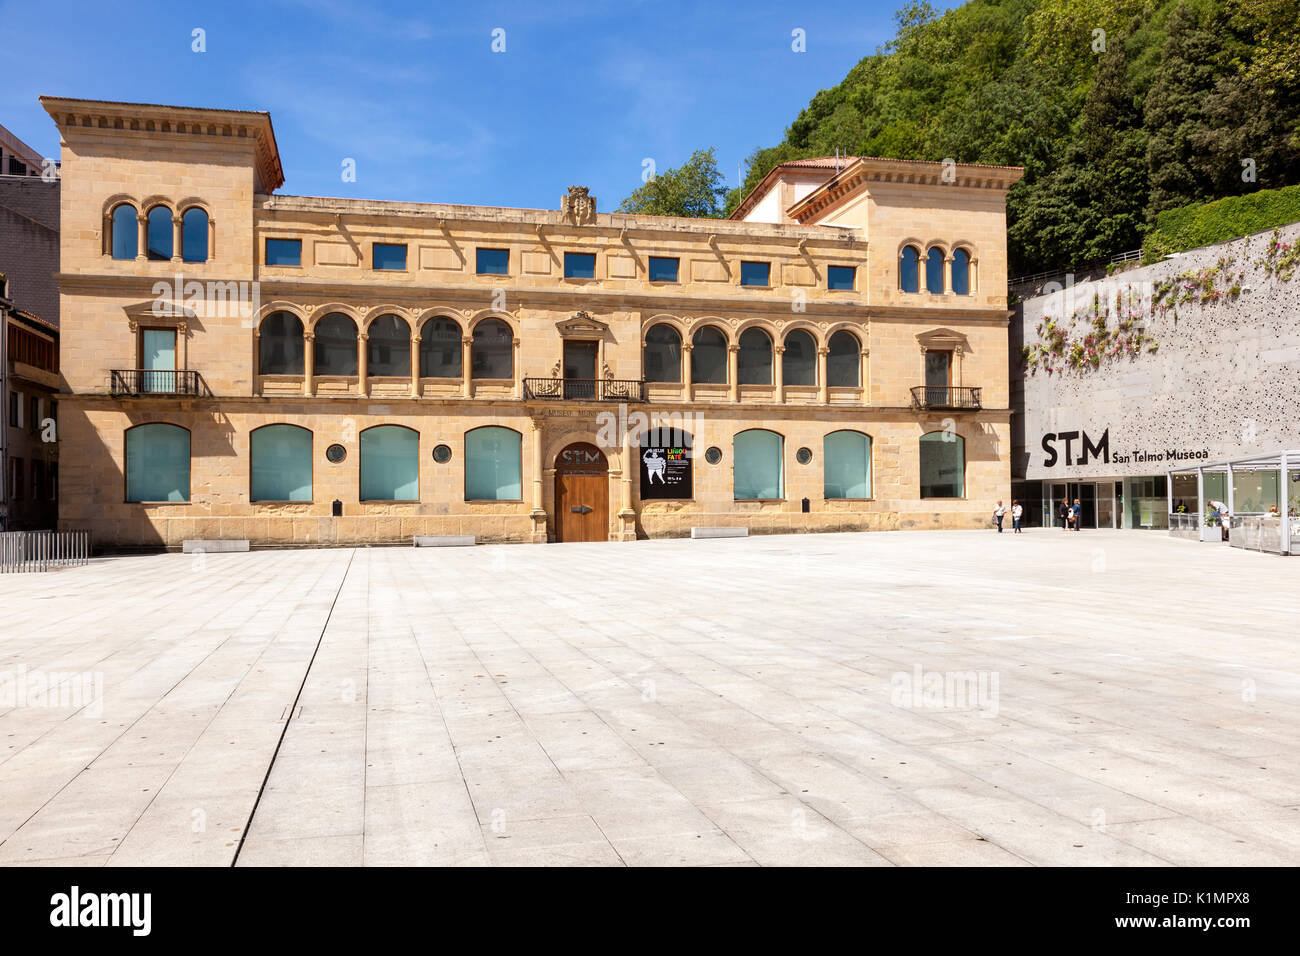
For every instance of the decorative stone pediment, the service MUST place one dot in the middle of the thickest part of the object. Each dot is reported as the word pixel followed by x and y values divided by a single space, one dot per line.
pixel 581 325
pixel 578 206
pixel 941 339
pixel 163 311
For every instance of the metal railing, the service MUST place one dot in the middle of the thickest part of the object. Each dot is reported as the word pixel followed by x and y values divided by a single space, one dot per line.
pixel 1076 270
pixel 145 381
pixel 43 550
pixel 585 389
pixel 929 396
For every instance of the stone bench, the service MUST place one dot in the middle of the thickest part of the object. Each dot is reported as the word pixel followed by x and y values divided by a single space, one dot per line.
pixel 443 540
pixel 213 545
pixel 719 532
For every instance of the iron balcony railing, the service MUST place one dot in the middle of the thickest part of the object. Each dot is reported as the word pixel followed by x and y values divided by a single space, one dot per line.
pixel 143 381
pixel 585 389
pixel 930 396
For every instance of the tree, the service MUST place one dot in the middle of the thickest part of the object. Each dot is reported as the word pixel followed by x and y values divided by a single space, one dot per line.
pixel 693 190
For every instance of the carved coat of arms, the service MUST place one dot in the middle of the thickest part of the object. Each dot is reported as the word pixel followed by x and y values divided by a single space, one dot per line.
pixel 578 207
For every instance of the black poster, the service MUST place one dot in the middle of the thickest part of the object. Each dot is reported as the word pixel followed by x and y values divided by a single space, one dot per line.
pixel 665 472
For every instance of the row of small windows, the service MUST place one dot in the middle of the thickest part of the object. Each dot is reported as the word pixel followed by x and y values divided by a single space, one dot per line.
pixel 391 257
pixel 755 357
pixel 159 233
pixel 280 464
pixel 909 272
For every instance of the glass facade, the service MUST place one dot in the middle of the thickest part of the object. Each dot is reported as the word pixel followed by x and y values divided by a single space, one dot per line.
pixel 157 463
pixel 493 464
pixel 390 464
pixel 758 468
pixel 846 465
pixel 280 463
pixel 943 465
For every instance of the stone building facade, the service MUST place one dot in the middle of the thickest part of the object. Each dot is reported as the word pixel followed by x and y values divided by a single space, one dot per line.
pixel 468 370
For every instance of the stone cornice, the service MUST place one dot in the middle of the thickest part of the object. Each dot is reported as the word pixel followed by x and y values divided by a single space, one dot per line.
pixel 152 120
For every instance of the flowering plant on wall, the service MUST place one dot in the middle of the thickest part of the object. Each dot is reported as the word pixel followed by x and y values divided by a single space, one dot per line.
pixel 1206 286
pixel 1280 258
pixel 1089 338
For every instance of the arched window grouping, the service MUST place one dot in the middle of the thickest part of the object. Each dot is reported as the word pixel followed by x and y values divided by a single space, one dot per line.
pixel 912 262
pixel 160 233
pixel 756 357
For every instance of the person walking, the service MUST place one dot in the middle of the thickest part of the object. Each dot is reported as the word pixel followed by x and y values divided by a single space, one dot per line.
pixel 998 514
pixel 1076 514
pixel 1016 513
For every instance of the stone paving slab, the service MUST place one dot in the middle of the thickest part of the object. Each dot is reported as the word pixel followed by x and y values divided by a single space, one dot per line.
pixel 914 698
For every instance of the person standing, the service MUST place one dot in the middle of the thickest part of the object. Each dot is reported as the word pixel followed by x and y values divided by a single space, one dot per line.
pixel 998 514
pixel 1064 514
pixel 1076 513
pixel 1016 513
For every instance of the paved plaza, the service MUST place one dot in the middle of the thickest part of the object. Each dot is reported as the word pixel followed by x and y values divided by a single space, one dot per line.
pixel 907 698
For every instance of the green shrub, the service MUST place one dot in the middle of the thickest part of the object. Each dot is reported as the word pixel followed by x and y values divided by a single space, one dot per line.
pixel 1203 224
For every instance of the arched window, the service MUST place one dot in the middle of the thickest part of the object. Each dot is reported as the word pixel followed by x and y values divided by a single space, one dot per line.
pixel 846 465
pixel 709 357
pixel 280 345
pixel 799 362
pixel 335 348
pixel 662 359
pixel 440 348
pixel 194 235
pixel 961 272
pixel 279 463
pixel 390 464
pixel 493 464
pixel 754 361
pixel 126 233
pixel 757 468
pixel 934 271
pixel 493 350
pixel 388 347
pixel 159 235
pixel 943 465
pixel 157 463
pixel 844 361
pixel 909 270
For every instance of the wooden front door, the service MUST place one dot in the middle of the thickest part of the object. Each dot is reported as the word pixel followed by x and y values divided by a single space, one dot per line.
pixel 581 494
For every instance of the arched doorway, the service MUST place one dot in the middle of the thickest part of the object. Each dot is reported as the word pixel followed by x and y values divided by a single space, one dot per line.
pixel 581 494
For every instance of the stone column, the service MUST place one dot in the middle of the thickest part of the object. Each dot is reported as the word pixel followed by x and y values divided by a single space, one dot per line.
pixel 822 378
pixel 212 239
pixel 538 513
pixel 415 365
pixel 947 273
pixel 363 363
pixel 308 361
pixel 176 238
pixel 626 516
pixel 971 284
pixel 688 380
pixel 518 372
pixel 864 376
pixel 466 361
pixel 142 237
pixel 733 371
pixel 778 360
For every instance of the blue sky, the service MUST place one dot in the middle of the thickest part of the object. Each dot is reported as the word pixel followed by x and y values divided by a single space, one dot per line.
pixel 584 92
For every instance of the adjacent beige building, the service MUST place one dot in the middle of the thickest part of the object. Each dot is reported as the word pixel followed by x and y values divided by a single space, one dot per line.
pixel 305 371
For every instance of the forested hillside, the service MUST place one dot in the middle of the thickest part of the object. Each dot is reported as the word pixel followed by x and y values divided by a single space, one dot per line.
pixel 1118 109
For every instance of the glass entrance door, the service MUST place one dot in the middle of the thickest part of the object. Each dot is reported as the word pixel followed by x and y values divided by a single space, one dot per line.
pixel 1105 504
pixel 1086 492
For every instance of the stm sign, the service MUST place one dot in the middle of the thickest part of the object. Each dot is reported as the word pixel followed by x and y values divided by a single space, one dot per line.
pixel 1088 450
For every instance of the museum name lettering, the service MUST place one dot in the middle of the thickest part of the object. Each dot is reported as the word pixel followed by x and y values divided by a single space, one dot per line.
pixel 1067 444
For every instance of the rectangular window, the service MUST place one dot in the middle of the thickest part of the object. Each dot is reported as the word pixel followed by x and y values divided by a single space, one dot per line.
pixel 34 421
pixel 389 257
pixel 16 477
pixel 54 480
pixel 663 269
pixel 492 262
pixel 15 410
pixel 755 273
pixel 579 265
pixel 840 278
pixel 284 252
